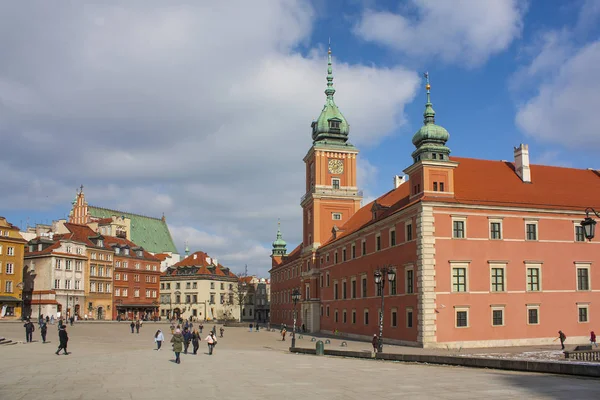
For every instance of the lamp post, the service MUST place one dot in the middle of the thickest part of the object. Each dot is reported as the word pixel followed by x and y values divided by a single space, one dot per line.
pixel 295 298
pixel 20 285
pixel 589 224
pixel 380 275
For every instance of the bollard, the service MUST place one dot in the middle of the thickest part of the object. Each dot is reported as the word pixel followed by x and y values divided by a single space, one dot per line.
pixel 313 339
pixel 320 348
pixel 344 344
pixel 300 337
pixel 328 341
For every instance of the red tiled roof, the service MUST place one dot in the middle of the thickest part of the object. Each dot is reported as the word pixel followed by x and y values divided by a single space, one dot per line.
pixel 198 259
pixel 162 256
pixel 111 240
pixel 47 250
pixel 103 221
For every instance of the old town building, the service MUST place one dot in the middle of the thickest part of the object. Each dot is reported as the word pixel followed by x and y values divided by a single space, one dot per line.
pixel 150 233
pixel 486 253
pixel 14 290
pixel 255 294
pixel 136 280
pixel 199 287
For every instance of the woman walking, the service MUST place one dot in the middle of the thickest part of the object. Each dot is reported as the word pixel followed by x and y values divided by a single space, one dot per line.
pixel 196 340
pixel 177 341
pixel 159 338
pixel 63 339
pixel 212 341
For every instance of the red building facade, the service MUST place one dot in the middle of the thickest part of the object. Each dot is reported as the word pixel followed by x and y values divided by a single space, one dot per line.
pixel 486 253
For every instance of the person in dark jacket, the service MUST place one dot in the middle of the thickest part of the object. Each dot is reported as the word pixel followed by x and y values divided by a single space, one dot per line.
pixel 132 325
pixel 137 326
pixel 63 339
pixel 177 341
pixel 562 338
pixel 195 340
pixel 375 343
pixel 29 328
pixel 187 337
pixel 43 331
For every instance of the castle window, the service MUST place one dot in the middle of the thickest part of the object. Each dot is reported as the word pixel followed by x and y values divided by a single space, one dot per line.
pixel 441 186
pixel 336 216
pixel 435 186
pixel 334 124
pixel 434 156
pixel 335 182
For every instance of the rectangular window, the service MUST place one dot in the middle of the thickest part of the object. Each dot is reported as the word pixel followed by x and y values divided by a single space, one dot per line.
pixel 57 284
pixel 378 290
pixel 441 186
pixel 125 277
pixel 392 237
pixel 58 263
pixel 222 286
pixel 335 290
pixel 344 254
pixel 532 316
pixel 136 293
pixel 335 182
pixel 10 251
pixel 344 320
pixel 353 289
pixel 409 317
pixel 533 279
pixel 531 229
pixel 328 282
pixel 67 265
pixel 498 317
pixel 353 316
pixel 8 287
pixel 409 232
pixel 100 287
pixel 366 319
pixel 77 285
pixel 394 317
pixel 364 247
pixel 327 311
pixel 579 236
pixel 335 258
pixel 583 279
pixel 92 286
pixel 364 287
pixel 78 265
pixel 583 313
pixel 336 216
pixel 353 251
pixel 459 279
pixel 393 288
pixel 378 242
pixel 10 268
pixel 188 285
pixel 495 230
pixel 458 229
pixel 125 292
pixel 67 284
pixel 335 315
pixel 344 290
pixel 435 186
pixel 462 319
pixel 410 287
pixel 497 279
pixel 212 285
pixel 117 292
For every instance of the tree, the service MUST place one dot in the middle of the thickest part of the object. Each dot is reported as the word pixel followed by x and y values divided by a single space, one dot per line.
pixel 241 292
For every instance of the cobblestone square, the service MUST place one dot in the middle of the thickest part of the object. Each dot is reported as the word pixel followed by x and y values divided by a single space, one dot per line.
pixel 108 362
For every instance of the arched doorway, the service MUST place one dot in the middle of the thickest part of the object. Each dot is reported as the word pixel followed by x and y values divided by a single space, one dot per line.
pixel 100 313
pixel 77 310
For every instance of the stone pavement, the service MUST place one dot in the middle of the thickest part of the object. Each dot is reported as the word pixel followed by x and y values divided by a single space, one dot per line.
pixel 108 362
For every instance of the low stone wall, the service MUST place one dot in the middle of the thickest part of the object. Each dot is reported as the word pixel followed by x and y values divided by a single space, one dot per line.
pixel 564 368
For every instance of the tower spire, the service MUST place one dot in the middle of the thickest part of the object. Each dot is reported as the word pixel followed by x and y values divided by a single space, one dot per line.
pixel 330 90
pixel 279 245
pixel 429 114
pixel 187 249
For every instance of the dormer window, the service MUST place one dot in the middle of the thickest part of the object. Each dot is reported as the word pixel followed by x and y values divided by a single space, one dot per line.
pixel 117 250
pixel 334 124
pixel 126 251
pixel 100 243
pixel 139 253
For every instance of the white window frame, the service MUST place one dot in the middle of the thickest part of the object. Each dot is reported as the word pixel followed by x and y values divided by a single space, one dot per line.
pixel 527 267
pixel 495 221
pixel 537 229
pixel 580 265
pixel 10 251
pixel 117 292
pixel 533 307
pixel 493 265
pixel 457 309
pixel 464 221
pixel 406 269
pixel 587 313
pixel 77 285
pixel 497 308
pixel 459 264
pixel 8 287
pixel 9 268
pixel 575 226
pixel 336 216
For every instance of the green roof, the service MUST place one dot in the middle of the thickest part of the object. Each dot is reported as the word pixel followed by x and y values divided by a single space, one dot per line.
pixel 150 233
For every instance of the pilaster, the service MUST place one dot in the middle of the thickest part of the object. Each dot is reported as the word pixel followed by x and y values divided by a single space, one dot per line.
pixel 426 326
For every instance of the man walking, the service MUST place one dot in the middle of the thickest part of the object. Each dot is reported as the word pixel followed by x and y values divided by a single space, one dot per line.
pixel 63 339
pixel 137 326
pixel 29 328
pixel 43 331
pixel 562 338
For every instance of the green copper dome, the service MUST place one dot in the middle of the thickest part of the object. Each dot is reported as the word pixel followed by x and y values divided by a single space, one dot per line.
pixel 331 126
pixel 279 245
pixel 430 140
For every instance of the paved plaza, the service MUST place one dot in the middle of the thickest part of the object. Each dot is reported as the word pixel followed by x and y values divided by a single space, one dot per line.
pixel 108 362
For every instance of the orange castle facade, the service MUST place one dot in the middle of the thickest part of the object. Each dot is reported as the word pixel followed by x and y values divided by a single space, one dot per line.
pixel 486 253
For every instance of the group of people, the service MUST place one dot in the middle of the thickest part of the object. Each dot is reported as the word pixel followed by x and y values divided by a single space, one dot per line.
pixel 181 340
pixel 562 337
pixel 136 325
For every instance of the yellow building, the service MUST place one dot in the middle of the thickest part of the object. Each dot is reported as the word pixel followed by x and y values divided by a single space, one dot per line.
pixel 12 285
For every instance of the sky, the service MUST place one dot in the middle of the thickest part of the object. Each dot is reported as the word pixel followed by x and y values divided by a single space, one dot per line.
pixel 201 110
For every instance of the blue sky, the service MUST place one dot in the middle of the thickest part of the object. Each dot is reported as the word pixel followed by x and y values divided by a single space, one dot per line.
pixel 203 111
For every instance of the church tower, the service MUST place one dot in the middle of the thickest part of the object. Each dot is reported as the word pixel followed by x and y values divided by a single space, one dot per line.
pixel 279 248
pixel 79 212
pixel 332 196
pixel 432 171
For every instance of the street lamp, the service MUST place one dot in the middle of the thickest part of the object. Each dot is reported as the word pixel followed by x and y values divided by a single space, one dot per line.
pixel 589 224
pixel 295 298
pixel 20 285
pixel 379 276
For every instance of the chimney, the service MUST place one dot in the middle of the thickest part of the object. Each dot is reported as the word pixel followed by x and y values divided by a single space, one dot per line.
pixel 522 163
pixel 195 256
pixel 399 180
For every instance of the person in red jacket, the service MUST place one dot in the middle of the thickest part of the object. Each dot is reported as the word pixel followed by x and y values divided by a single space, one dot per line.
pixel 593 338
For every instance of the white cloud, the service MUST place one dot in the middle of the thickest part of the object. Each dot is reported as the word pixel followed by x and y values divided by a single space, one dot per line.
pixel 464 32
pixel 200 110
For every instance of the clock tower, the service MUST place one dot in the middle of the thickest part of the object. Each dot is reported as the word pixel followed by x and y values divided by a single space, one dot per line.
pixel 332 196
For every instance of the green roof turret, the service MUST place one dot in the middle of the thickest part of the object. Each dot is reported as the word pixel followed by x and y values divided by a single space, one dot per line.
pixel 430 140
pixel 331 127
pixel 279 245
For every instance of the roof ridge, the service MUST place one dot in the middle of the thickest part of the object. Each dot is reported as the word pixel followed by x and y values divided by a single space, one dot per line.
pixel 127 212
pixel 458 158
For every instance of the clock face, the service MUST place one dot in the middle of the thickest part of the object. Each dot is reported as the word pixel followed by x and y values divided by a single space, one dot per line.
pixel 336 166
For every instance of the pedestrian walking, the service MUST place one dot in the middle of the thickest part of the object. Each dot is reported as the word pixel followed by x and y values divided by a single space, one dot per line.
pixel 201 327
pixel 593 339
pixel 221 330
pixel 283 332
pixel 132 325
pixel 562 337
pixel 159 338
pixel 137 326
pixel 177 341
pixel 63 339
pixel 374 341
pixel 250 328
pixel 211 341
pixel 47 319
pixel 187 337
pixel 196 341
pixel 43 331
pixel 29 328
